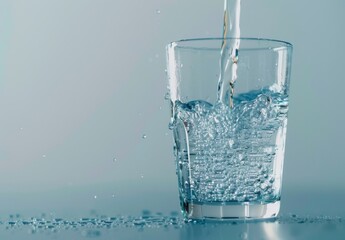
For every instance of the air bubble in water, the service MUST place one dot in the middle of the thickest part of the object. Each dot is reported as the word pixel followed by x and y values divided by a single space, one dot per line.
pixel 221 136
pixel 144 136
pixel 158 11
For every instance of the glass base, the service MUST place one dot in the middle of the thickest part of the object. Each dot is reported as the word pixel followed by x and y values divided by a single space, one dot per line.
pixel 236 211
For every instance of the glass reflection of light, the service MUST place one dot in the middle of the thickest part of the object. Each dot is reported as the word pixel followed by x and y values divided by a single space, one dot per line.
pixel 271 230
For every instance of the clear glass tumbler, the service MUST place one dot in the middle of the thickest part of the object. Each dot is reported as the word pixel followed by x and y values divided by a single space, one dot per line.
pixel 229 150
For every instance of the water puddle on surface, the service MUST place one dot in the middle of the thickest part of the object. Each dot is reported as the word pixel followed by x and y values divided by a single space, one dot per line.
pixel 93 226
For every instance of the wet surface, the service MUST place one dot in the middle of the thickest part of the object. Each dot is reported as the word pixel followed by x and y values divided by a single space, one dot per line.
pixel 158 226
pixel 305 214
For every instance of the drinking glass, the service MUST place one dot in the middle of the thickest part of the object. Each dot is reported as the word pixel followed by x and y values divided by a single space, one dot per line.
pixel 229 150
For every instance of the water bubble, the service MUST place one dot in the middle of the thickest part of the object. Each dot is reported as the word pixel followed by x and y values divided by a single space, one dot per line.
pixel 114 159
pixel 113 196
pixel 158 11
pixel 231 142
pixel 142 176
pixel 44 155
pixel 167 96
pixel 95 197
pixel 181 65
pixel 144 136
pixel 264 112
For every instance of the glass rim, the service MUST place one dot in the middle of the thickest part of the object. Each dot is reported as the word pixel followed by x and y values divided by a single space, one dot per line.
pixel 281 43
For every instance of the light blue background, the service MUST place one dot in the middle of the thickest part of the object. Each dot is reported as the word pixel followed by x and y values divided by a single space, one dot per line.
pixel 82 81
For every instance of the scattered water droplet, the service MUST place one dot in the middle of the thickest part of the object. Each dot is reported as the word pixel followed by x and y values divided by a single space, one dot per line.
pixel 181 65
pixel 114 159
pixel 146 212
pixel 142 176
pixel 167 96
pixel 158 11
pixel 144 136
pixel 156 55
pixel 95 197
pixel 44 155
pixel 91 233
pixel 113 196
